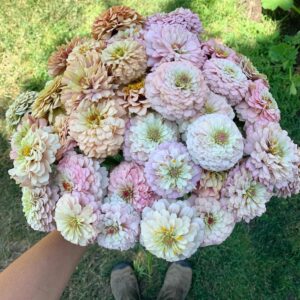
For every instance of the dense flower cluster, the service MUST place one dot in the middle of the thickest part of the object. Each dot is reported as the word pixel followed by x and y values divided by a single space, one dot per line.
pixel 146 133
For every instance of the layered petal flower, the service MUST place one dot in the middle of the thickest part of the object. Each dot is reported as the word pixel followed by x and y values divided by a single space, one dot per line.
pixel 181 16
pixel 243 196
pixel 172 43
pixel 126 59
pixel 259 105
pixel 170 170
pixel 171 230
pixel 177 90
pixel 86 79
pixel 129 182
pixel 219 223
pixel 79 173
pixel 273 156
pixel 33 156
pixel 98 128
pixel 38 206
pixel 144 134
pixel 226 78
pixel 118 226
pixel 77 217
pixel 113 20
pixel 215 142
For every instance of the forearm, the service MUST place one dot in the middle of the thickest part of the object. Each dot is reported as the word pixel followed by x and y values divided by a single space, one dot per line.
pixel 42 272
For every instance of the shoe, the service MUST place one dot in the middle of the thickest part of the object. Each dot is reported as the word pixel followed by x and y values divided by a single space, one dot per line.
pixel 177 281
pixel 124 285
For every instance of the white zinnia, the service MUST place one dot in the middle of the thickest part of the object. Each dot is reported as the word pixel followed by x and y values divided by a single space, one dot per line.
pixel 77 222
pixel 215 142
pixel 171 230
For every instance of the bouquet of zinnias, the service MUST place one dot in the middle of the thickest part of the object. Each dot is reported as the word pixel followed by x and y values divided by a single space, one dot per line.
pixel 152 91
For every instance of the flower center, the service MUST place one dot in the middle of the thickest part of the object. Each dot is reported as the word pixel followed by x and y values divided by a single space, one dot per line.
pixel 177 48
pixel 113 229
pixel 118 53
pixel 269 101
pixel 175 172
pixel 135 86
pixel 275 148
pixel 94 118
pixel 67 186
pixel 183 81
pixel 221 137
pixel 250 192
pixel 168 236
pixel 74 223
pixel 221 52
pixel 209 109
pixel 26 150
pixel 127 194
pixel 153 134
pixel 209 219
pixel 230 71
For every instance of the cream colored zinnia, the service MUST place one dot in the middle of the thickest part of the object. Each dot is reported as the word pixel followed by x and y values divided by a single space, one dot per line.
pixel 34 156
pixel 98 128
pixel 77 222
pixel 127 60
pixel 171 230
pixel 48 100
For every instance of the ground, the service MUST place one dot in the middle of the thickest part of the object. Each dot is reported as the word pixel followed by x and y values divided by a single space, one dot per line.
pixel 260 260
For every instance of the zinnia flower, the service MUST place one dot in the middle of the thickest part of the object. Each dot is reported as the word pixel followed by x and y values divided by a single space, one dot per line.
pixel 226 78
pixel 48 100
pixel 98 128
pixel 177 90
pixel 217 104
pixel 115 19
pixel 218 222
pixel 172 43
pixel 126 59
pixel 144 134
pixel 77 217
pixel 129 182
pixel 118 226
pixel 170 170
pixel 86 79
pixel 215 142
pixel 57 63
pixel 243 196
pixel 39 205
pixel 34 155
pixel 215 49
pixel 259 105
pixel 171 230
pixel 79 173
pixel 180 16
pixel 210 184
pixel 133 98
pixel 20 106
pixel 273 156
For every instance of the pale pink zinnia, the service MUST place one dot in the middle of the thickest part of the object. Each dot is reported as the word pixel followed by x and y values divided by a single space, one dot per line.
pixel 259 104
pixel 172 43
pixel 129 182
pixel 273 155
pixel 79 173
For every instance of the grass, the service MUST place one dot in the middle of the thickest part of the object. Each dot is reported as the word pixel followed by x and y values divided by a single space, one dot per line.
pixel 260 260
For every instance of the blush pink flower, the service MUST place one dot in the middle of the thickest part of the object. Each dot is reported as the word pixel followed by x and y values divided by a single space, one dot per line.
pixel 172 43
pixel 181 16
pixel 259 104
pixel 215 49
pixel 129 182
pixel 79 173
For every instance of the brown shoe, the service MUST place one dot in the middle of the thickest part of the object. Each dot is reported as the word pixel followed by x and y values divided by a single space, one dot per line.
pixel 177 282
pixel 124 285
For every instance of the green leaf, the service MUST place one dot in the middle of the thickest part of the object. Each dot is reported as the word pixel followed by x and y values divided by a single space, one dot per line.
pixel 283 53
pixel 274 4
pixel 293 90
pixel 293 39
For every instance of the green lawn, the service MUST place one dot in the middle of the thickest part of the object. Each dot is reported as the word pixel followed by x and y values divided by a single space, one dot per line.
pixel 260 260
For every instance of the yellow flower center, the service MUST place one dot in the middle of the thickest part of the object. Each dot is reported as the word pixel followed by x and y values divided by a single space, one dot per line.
pixel 95 118
pixel 250 192
pixel 168 236
pixel 275 148
pixel 154 134
pixel 175 172
pixel 74 223
pixel 135 86
pixel 209 109
pixel 183 81
pixel 26 150
pixel 118 53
